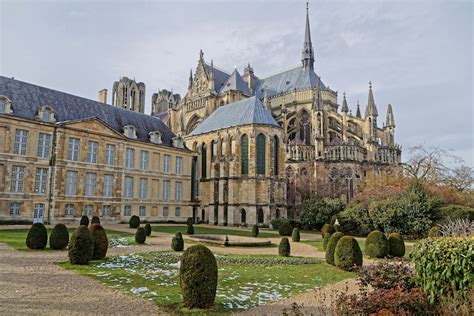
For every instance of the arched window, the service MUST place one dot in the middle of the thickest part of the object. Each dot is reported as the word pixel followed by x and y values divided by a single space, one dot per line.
pixel 245 155
pixel 305 128
pixel 243 216
pixel 276 150
pixel 260 154
pixel 203 161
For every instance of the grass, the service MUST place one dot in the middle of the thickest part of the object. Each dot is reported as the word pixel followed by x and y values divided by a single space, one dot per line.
pixel 244 281
pixel 172 229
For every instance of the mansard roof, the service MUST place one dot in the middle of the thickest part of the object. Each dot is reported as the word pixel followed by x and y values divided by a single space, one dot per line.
pixel 27 98
pixel 236 82
pixel 243 112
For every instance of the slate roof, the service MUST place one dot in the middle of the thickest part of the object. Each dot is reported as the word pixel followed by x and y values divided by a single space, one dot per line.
pixel 236 82
pixel 220 77
pixel 27 98
pixel 243 112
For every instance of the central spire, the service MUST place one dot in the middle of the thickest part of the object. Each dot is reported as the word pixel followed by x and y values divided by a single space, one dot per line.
pixel 308 54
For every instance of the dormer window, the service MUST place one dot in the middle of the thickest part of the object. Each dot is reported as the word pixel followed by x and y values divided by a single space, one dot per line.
pixel 178 142
pixel 46 114
pixel 155 137
pixel 130 131
pixel 5 105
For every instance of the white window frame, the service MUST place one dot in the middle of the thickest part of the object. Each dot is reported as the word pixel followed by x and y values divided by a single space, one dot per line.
pixel 73 149
pixel 127 210
pixel 71 183
pixel 177 211
pixel 130 158
pixel 166 211
pixel 166 163
pixel 144 158
pixel 108 185
pixel 88 209
pixel 92 150
pixel 91 179
pixel 142 210
pixel 128 187
pixel 109 154
pixel 143 188
pixel 106 210
pixel 69 210
pixel 44 146
pixel 15 208
pixel 166 190
pixel 179 165
pixel 21 142
pixel 41 180
pixel 178 193
pixel 18 179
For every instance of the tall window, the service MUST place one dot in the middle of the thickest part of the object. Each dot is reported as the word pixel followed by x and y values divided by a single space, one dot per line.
pixel 213 149
pixel 73 150
pixel 109 154
pixel 203 161
pixel 2 106
pixel 178 191
pixel 130 158
pixel 92 152
pixel 18 178
pixel 108 183
pixel 41 180
pixel 15 209
pixel 276 150
pixel 128 187
pixel 165 211
pixel 106 210
pixel 21 140
pixel 244 165
pixel 44 145
pixel 144 160
pixel 142 210
pixel 166 190
pixel 71 179
pixel 167 163
pixel 260 154
pixel 127 210
pixel 143 188
pixel 177 211
pixel 88 210
pixel 194 179
pixel 90 183
pixel 69 209
pixel 179 165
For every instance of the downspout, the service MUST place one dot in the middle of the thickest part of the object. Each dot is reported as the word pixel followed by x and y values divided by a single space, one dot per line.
pixel 52 164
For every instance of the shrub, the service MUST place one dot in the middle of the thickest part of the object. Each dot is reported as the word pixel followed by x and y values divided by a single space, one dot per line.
pixel 95 220
pixel 134 221
pixel 190 230
pixel 338 228
pixel 331 247
pixel 326 238
pixel 457 228
pixel 347 253
pixel 276 223
pixel 81 246
pixel 327 228
pixel 285 228
pixel 376 245
pixel 198 277
pixel 84 220
pixel 177 243
pixel 434 231
pixel 454 212
pixel 387 274
pixel 101 243
pixel 140 235
pixel 318 211
pixel 295 235
pixel 148 229
pixel 189 221
pixel 255 231
pixel 284 247
pixel 396 245
pixel 37 237
pixel 443 267
pixel 59 238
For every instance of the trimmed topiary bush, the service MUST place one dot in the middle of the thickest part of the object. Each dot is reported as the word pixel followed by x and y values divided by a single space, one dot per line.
pixel 255 231
pixel 148 229
pixel 376 245
pixel 101 243
pixel 140 235
pixel 189 221
pixel 326 238
pixel 396 245
pixel 177 243
pixel 284 247
pixel 198 277
pixel 331 246
pixel 295 235
pixel 434 231
pixel 347 253
pixel 190 230
pixel 95 220
pixel 84 220
pixel 37 237
pixel 81 246
pixel 337 228
pixel 285 228
pixel 327 228
pixel 134 221
pixel 59 238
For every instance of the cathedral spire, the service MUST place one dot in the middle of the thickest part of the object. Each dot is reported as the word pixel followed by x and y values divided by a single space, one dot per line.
pixel 371 109
pixel 308 54
pixel 358 110
pixel 344 108
pixel 390 121
pixel 190 78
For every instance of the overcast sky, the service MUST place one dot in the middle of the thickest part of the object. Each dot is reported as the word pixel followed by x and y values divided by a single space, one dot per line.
pixel 418 54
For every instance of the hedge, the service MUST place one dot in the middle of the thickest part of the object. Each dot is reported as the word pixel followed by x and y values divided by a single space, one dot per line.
pixel 134 221
pixel 326 238
pixel 331 247
pixel 148 229
pixel 396 245
pixel 37 237
pixel 285 228
pixel 81 246
pixel 347 253
pixel 140 235
pixel 59 238
pixel 376 245
pixel 177 243
pixel 255 231
pixel 295 235
pixel 101 243
pixel 284 249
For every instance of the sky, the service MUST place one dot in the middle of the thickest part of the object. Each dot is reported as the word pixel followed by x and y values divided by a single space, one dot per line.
pixel 418 54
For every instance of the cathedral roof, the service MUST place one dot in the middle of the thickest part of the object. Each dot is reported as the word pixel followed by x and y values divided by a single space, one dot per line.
pixel 28 98
pixel 236 82
pixel 243 112
pixel 220 77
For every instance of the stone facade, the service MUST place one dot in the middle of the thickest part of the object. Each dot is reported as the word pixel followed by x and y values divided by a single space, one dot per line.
pixel 164 100
pixel 129 94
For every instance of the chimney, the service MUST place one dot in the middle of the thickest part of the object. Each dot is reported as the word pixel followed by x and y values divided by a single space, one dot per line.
pixel 103 96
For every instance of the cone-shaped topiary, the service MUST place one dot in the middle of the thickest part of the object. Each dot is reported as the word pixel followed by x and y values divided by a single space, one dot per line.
pixel 37 237
pixel 331 246
pixel 434 231
pixel 148 229
pixel 348 253
pixel 285 228
pixel 59 238
pixel 81 246
pixel 177 243
pixel 134 221
pixel 84 220
pixel 101 243
pixel 326 238
pixel 190 230
pixel 284 247
pixel 189 221
pixel 95 220
pixel 140 235
pixel 376 245
pixel 255 231
pixel 327 228
pixel 396 245
pixel 198 277
pixel 295 235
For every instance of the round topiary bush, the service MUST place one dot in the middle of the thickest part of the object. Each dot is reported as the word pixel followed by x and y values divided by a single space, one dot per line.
pixel 190 230
pixel 37 237
pixel 434 231
pixel 326 238
pixel 95 220
pixel 255 231
pixel 101 243
pixel 177 243
pixel 59 238
pixel 84 220
pixel 148 229
pixel 134 221
pixel 284 247
pixel 327 228
pixel 198 277
pixel 295 235
pixel 140 235
pixel 376 245
pixel 396 245
pixel 285 228
pixel 347 253
pixel 81 246
pixel 331 246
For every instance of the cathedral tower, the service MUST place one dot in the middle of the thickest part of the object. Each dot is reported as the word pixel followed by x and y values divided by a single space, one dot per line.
pixel 128 94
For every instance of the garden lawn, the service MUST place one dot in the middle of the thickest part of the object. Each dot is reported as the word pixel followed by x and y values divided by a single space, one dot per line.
pixel 244 281
pixel 210 231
